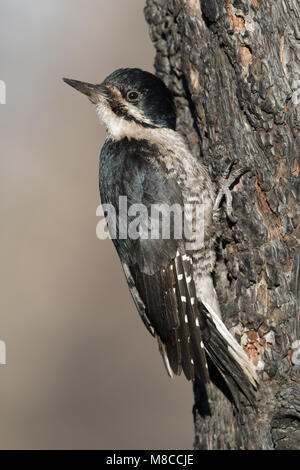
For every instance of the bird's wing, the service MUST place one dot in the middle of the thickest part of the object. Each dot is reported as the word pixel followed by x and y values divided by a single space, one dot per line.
pixel 158 271
pixel 167 303
pixel 137 299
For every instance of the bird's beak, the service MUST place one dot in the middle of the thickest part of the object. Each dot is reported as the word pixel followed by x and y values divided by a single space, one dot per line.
pixel 92 91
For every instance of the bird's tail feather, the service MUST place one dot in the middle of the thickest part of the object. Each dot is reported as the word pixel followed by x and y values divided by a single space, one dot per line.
pixel 164 354
pixel 227 355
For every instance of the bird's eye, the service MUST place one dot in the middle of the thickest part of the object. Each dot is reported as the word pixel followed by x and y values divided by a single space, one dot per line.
pixel 133 96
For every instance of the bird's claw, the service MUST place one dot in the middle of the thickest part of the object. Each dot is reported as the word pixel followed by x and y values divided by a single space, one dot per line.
pixel 225 183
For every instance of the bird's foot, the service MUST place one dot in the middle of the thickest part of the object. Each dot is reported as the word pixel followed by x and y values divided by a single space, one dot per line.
pixel 226 181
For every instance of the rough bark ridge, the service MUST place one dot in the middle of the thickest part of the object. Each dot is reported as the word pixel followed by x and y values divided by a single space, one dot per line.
pixel 234 68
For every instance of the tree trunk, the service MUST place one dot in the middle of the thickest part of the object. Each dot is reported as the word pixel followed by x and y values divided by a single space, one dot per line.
pixel 234 68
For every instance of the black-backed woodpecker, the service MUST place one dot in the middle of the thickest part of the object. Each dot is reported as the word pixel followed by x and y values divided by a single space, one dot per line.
pixel 145 159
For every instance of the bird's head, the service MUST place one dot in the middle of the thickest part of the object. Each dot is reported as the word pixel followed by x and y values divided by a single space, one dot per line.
pixel 129 100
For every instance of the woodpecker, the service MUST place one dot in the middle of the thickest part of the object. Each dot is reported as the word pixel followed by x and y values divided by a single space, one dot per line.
pixel 145 159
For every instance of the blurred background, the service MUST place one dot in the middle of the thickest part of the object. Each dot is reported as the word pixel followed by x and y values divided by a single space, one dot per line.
pixel 82 371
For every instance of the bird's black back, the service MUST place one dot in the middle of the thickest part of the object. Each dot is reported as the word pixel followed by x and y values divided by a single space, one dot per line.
pixel 132 168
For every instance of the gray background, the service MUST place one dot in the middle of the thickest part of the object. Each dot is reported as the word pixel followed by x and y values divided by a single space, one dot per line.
pixel 82 370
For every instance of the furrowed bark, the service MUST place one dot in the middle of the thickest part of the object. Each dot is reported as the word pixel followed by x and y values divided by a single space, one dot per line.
pixel 234 69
